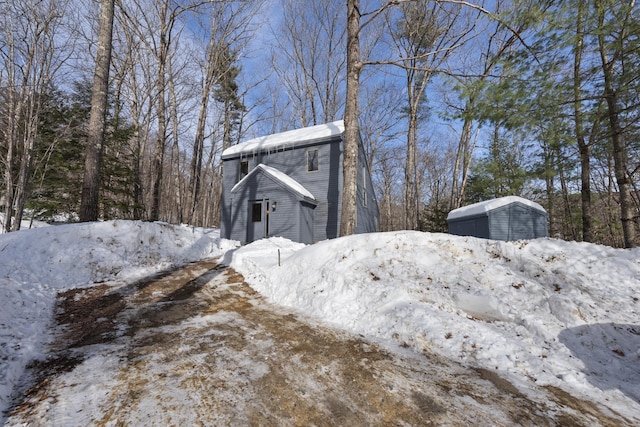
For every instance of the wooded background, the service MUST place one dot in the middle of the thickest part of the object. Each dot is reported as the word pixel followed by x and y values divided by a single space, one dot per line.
pixel 457 102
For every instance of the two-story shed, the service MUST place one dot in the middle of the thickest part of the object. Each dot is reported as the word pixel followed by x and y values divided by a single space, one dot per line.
pixel 505 218
pixel 290 184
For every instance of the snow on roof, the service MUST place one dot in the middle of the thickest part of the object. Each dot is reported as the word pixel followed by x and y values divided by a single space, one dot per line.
pixel 280 176
pixel 284 139
pixel 482 207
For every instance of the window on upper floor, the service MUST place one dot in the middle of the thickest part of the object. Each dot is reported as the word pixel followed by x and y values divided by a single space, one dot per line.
pixel 244 169
pixel 312 160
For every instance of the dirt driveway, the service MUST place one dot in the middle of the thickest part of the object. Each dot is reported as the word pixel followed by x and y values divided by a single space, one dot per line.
pixel 197 346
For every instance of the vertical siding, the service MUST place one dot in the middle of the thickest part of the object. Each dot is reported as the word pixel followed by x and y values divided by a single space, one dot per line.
pixel 511 222
pixel 284 221
pixel 325 184
pixel 517 222
pixel 306 222
pixel 368 215
pixel 230 177
pixel 228 180
pixel 499 224
pixel 477 226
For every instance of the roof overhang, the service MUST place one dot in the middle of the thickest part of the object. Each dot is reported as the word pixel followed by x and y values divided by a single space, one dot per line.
pixel 284 140
pixel 482 208
pixel 281 179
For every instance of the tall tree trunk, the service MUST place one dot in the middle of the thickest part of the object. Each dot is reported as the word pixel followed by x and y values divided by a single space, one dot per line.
pixel 8 172
pixel 569 229
pixel 161 87
pixel 549 179
pixel 176 178
pixel 620 155
pixel 25 72
pixel 411 173
pixel 28 145
pixel 95 138
pixel 457 189
pixel 351 133
pixel 583 146
pixel 198 145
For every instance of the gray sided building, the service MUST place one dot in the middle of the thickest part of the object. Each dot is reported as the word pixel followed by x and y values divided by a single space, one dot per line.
pixel 506 218
pixel 290 185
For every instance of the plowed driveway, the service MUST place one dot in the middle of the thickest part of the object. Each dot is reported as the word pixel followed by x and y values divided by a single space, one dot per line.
pixel 197 346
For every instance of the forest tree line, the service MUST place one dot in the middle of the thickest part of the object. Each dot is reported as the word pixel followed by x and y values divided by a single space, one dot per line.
pixel 456 102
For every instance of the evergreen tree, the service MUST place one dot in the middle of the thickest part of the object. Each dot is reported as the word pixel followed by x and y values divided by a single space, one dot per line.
pixel 500 173
pixel 59 155
pixel 226 93
pixel 59 159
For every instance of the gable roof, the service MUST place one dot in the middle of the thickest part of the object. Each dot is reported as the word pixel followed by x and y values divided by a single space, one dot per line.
pixel 286 139
pixel 279 176
pixel 484 207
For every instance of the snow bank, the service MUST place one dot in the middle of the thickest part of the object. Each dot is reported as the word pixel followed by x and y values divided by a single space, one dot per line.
pixel 36 264
pixel 561 313
pixel 552 312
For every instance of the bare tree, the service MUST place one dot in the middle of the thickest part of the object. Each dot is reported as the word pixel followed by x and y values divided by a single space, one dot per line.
pixel 351 142
pixel 32 51
pixel 155 25
pixel 414 34
pixel 351 134
pixel 229 30
pixel 89 208
pixel 131 64
pixel 309 59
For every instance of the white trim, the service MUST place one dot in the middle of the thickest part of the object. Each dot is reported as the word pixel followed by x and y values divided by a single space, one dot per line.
pixel 279 176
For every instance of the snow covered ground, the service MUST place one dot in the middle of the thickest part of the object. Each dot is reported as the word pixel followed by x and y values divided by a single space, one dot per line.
pixel 555 313
pixel 36 264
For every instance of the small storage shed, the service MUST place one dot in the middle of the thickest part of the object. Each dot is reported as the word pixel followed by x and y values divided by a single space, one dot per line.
pixel 505 218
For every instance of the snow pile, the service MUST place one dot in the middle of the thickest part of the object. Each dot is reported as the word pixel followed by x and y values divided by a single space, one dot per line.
pixel 36 264
pixel 557 313
pixel 560 313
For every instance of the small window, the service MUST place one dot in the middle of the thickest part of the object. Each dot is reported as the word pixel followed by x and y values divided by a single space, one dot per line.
pixel 364 186
pixel 364 177
pixel 355 219
pixel 244 168
pixel 256 212
pixel 312 160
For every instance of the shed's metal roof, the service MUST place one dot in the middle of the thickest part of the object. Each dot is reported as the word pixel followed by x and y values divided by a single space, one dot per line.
pixel 483 207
